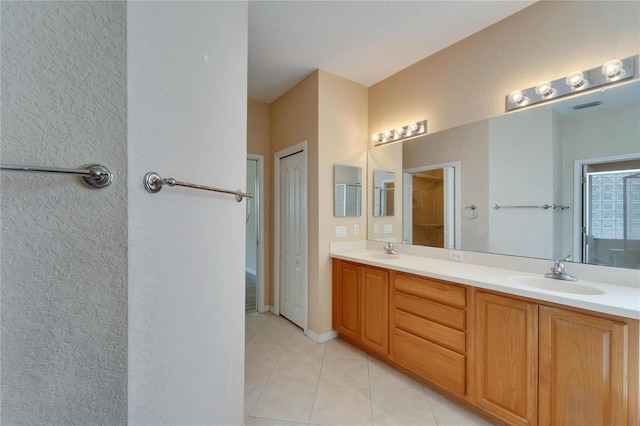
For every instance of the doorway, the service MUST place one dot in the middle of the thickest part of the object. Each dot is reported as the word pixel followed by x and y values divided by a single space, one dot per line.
pixel 290 220
pixel 254 246
pixel 430 206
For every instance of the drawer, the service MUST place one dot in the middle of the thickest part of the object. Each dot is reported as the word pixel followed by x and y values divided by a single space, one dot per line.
pixel 431 289
pixel 443 314
pixel 438 333
pixel 439 365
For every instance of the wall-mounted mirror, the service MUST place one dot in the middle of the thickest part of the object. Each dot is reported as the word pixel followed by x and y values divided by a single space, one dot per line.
pixel 347 193
pixel 520 186
pixel 384 184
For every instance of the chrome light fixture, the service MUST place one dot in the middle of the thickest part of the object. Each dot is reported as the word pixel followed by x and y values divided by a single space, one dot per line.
pixel 609 73
pixel 400 133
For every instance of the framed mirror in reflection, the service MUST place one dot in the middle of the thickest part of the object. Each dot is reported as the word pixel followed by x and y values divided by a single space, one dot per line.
pixel 347 193
pixel 546 182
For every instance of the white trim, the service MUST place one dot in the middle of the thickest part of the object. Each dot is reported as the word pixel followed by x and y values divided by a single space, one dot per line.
pixel 458 200
pixel 259 203
pixel 577 196
pixel 293 149
pixel 321 338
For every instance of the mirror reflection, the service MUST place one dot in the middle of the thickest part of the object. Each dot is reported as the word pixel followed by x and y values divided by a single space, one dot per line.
pixel 347 193
pixel 521 182
pixel 384 183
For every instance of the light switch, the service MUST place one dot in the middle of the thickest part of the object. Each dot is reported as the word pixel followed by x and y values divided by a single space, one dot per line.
pixel 356 229
pixel 341 231
pixel 388 228
pixel 376 228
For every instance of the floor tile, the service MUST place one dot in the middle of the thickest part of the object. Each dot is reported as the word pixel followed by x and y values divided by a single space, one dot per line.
pixel 261 362
pixel 298 367
pixel 351 372
pixel 395 408
pixel 299 343
pixel 256 421
pixel 285 400
pixel 338 348
pixel 448 413
pixel 385 377
pixel 341 405
pixel 253 385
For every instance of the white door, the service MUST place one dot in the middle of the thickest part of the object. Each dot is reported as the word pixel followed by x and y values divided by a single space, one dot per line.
pixel 293 211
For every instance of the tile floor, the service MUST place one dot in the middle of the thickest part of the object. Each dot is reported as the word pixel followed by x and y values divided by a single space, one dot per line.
pixel 290 380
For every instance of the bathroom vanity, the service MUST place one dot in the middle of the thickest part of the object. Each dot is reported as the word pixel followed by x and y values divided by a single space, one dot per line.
pixel 503 343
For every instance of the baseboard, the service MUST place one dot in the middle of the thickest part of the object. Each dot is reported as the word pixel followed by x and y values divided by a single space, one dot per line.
pixel 321 338
pixel 271 309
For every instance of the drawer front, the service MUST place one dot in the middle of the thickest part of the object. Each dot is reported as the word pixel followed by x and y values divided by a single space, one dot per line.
pixel 442 366
pixel 430 330
pixel 431 289
pixel 447 315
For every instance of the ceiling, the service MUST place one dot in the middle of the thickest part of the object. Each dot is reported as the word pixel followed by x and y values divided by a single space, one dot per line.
pixel 362 41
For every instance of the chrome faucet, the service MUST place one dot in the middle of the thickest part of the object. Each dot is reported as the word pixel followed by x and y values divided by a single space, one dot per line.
pixel 558 272
pixel 388 248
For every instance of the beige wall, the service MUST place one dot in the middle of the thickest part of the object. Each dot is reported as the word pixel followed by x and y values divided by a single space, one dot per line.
pixel 342 139
pixel 468 81
pixel 258 143
pixel 294 118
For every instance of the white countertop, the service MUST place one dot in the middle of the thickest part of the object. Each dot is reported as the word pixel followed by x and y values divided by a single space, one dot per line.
pixel 617 299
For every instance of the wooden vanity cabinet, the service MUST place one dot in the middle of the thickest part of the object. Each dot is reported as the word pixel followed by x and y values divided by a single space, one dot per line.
pixel 361 305
pixel 585 370
pixel 506 357
pixel 428 329
pixel 519 360
pixel 538 364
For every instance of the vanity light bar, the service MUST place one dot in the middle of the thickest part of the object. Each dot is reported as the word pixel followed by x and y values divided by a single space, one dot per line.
pixel 609 73
pixel 404 132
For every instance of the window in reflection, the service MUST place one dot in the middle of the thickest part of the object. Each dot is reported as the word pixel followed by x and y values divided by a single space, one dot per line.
pixel 612 215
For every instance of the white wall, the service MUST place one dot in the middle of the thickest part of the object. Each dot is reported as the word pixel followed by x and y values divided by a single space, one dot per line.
pixel 64 246
pixel 521 148
pixel 187 119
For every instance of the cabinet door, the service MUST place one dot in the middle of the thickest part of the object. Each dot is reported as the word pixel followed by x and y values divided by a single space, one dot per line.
pixel 507 358
pixel 347 299
pixel 374 309
pixel 583 369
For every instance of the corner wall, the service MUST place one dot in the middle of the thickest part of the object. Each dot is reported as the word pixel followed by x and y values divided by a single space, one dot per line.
pixel 187 120
pixel 342 139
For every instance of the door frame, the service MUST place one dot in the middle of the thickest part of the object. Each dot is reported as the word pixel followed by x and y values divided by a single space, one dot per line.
pixel 578 208
pixel 258 202
pixel 452 215
pixel 293 149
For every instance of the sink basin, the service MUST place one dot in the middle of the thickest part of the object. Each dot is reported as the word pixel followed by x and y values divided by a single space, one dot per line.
pixel 383 256
pixel 555 285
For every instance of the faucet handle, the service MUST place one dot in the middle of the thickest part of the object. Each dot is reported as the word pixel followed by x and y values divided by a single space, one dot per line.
pixel 569 258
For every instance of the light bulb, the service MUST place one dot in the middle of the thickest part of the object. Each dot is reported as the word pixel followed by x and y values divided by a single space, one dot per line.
pixel 387 134
pixel 517 97
pixel 576 80
pixel 413 127
pixel 545 89
pixel 613 70
pixel 399 132
pixel 376 137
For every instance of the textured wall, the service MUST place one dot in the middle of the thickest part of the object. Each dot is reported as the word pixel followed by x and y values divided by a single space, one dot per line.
pixel 64 247
pixel 187 86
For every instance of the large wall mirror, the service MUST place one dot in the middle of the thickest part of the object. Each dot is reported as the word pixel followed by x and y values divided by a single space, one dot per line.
pixel 545 182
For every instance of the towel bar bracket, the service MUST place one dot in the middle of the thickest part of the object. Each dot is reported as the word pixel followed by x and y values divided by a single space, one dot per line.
pixel 153 183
